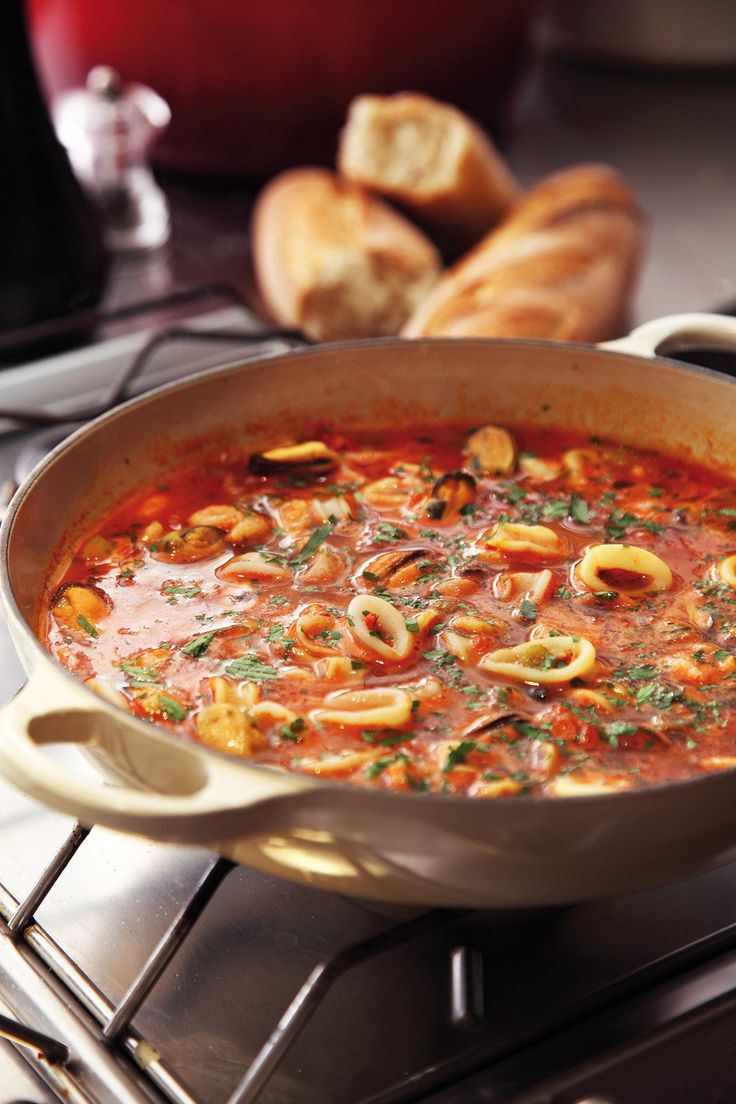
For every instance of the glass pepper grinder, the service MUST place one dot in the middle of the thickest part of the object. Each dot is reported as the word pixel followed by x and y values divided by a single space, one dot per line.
pixel 108 129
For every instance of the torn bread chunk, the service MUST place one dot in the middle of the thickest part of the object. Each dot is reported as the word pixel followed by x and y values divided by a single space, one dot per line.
pixel 336 262
pixel 433 160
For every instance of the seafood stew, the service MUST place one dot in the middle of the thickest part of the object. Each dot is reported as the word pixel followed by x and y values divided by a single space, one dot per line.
pixel 487 612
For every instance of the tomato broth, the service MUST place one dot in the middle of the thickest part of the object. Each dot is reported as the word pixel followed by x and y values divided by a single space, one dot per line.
pixel 488 612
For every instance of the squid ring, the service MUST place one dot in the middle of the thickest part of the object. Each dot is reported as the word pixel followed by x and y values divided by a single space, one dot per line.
pixel 548 659
pixel 525 542
pixel 379 626
pixel 648 572
pixel 377 707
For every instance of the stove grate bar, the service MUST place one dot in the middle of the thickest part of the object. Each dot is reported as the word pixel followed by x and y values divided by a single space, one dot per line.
pixel 93 1073
pixel 117 1033
pixel 51 1049
pixel 25 912
pixel 315 989
pixel 150 1069
pixel 166 949
pixel 79 323
pixel 118 391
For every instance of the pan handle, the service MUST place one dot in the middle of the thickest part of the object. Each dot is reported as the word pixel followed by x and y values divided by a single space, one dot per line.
pixel 676 332
pixel 196 789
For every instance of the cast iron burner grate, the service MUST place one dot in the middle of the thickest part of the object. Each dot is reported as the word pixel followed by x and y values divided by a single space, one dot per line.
pixel 89 1052
pixel 120 387
pixel 129 379
pixel 68 1071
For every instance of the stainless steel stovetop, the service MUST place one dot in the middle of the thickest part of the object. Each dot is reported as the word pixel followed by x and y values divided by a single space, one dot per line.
pixel 164 975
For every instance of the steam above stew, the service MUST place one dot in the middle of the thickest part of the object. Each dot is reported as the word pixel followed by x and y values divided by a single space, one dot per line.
pixel 438 609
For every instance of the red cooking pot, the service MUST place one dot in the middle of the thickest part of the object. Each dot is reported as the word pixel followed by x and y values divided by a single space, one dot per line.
pixel 256 87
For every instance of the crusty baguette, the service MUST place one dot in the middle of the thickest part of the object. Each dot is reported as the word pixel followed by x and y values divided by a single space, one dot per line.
pixel 334 261
pixel 430 158
pixel 562 265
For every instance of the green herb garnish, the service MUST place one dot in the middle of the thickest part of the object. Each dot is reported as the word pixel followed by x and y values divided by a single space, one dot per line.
pixel 251 668
pixel 579 509
pixel 172 709
pixel 138 672
pixel 87 625
pixel 292 731
pixel 200 644
pixel 318 537
pixel 459 754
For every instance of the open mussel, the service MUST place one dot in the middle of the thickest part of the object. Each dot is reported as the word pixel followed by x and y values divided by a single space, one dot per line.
pixel 490 722
pixel 81 606
pixel 308 460
pixel 491 450
pixel 198 542
pixel 400 568
pixel 450 493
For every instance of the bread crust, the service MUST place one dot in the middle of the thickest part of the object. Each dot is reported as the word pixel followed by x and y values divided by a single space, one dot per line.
pixel 335 261
pixel 432 160
pixel 562 265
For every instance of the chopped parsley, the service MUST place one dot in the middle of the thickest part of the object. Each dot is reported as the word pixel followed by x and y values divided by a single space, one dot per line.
pixel 138 672
pixel 513 493
pixel 619 521
pixel 390 534
pixel 532 732
pixel 318 537
pixel 172 709
pixel 459 754
pixel 658 694
pixel 640 673
pixel 251 668
pixel 86 625
pixel 556 508
pixel 615 729
pixel 292 731
pixel 528 610
pixel 389 739
pixel 199 645
pixel 175 592
pixel 579 509
pixel 379 765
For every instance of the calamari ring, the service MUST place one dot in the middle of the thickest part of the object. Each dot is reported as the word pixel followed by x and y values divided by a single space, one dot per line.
pixel 376 707
pixel 254 566
pixel 651 570
pixel 524 542
pixel 549 659
pixel 371 619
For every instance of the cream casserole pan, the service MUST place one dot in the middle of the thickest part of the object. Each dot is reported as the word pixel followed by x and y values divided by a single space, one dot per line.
pixel 399 847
